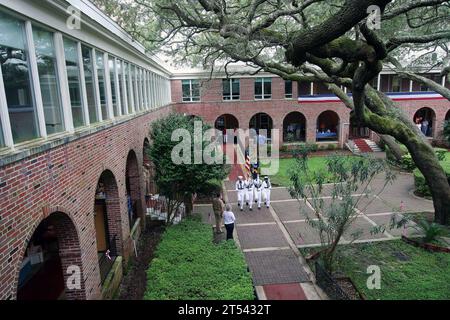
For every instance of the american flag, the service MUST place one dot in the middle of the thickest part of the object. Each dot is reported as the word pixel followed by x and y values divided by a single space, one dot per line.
pixel 247 163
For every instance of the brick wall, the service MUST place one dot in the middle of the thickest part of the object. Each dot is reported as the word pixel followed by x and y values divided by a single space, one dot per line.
pixel 278 108
pixel 64 179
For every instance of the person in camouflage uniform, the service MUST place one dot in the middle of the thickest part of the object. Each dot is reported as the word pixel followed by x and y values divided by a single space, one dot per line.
pixel 218 208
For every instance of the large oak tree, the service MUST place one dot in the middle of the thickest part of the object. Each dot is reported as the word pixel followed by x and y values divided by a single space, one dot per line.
pixel 316 40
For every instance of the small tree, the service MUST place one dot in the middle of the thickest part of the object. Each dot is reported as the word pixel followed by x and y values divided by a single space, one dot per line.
pixel 180 182
pixel 348 175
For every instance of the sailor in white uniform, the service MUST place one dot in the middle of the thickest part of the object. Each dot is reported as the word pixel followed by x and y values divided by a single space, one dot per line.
pixel 257 184
pixel 249 192
pixel 240 188
pixel 267 186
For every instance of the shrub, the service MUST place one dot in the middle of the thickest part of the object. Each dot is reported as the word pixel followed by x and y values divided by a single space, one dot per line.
pixel 332 146
pixel 284 148
pixel 407 163
pixel 189 266
pixel 432 231
pixel 440 153
pixel 419 179
pixel 290 137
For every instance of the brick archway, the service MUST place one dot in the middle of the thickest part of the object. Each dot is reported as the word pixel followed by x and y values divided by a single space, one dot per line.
pixel 53 253
pixel 107 195
pixel 295 125
pixel 328 126
pixel 425 119
pixel 262 121
pixel 133 189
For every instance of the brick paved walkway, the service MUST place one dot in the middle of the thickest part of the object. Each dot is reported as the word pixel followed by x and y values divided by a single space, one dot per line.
pixel 270 238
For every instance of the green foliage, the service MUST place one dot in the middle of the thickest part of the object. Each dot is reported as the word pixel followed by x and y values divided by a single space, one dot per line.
pixel 335 216
pixel 407 162
pixel 432 231
pixel 419 276
pixel 290 137
pixel 419 180
pixel 189 266
pixel 447 131
pixel 210 188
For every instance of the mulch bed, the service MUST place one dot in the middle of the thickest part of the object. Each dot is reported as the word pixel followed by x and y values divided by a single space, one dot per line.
pixel 349 288
pixel 134 283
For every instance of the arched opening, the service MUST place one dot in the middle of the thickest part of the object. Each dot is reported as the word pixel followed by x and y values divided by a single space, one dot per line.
pixel 107 223
pixel 447 116
pixel 262 121
pixel 227 122
pixel 132 182
pixel 294 127
pixel 327 126
pixel 424 119
pixel 52 255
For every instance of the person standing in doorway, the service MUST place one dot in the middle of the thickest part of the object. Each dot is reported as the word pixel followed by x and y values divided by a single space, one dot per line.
pixel 229 219
pixel 424 127
pixel 218 208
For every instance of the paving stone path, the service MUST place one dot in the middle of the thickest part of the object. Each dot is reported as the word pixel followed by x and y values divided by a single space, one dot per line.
pixel 270 238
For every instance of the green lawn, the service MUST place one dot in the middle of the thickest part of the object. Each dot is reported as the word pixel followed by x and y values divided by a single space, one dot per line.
pixel 314 163
pixel 188 266
pixel 407 272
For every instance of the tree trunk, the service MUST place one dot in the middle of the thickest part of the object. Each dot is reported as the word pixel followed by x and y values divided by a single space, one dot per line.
pixel 188 204
pixel 428 164
pixel 394 147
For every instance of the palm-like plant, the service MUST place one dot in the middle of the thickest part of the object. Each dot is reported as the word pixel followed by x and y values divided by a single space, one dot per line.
pixel 432 231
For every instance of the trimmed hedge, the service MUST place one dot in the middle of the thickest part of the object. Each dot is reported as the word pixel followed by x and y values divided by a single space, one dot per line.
pixel 419 180
pixel 189 266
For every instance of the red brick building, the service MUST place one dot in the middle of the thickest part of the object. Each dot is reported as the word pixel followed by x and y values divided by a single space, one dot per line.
pixel 76 105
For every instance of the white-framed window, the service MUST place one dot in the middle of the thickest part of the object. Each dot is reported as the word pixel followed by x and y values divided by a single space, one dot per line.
pixel 16 78
pixel 288 89
pixel 90 83
pixel 100 65
pixel 48 80
pixel 122 87
pixel 112 80
pixel 74 81
pixel 263 88
pixel 191 90
pixel 231 89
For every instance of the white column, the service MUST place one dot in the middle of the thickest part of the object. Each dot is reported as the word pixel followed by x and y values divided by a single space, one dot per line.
pixel 443 81
pixel 312 88
pixel 124 88
pixel 35 80
pixel 117 85
pixel 108 91
pixel 4 115
pixel 63 82
pixel 410 85
pixel 379 82
pixel 84 98
pixel 96 86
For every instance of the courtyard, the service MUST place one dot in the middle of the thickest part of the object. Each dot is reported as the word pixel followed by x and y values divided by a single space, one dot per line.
pixel 275 241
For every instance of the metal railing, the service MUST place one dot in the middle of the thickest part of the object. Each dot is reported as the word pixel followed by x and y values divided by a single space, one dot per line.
pixel 328 284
